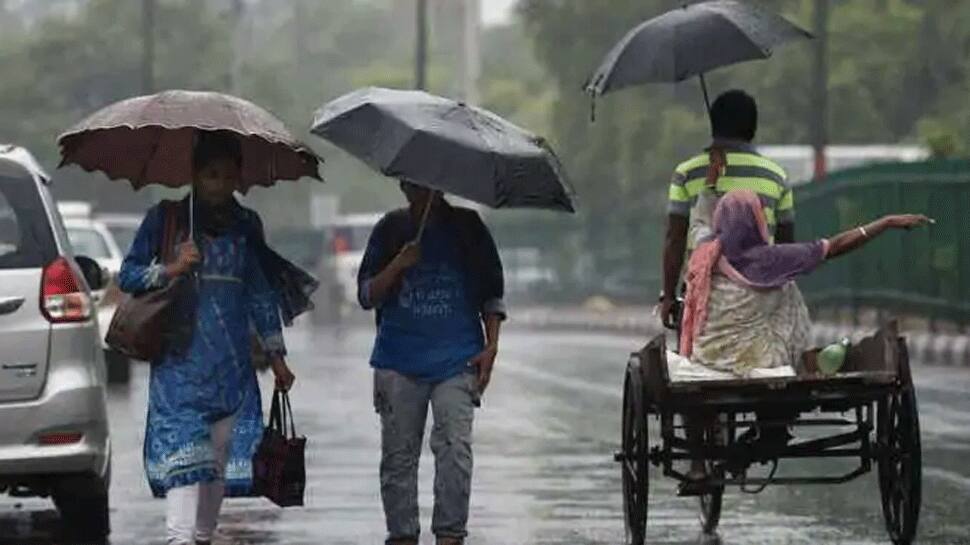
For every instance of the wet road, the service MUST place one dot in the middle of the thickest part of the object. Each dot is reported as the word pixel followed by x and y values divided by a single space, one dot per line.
pixel 544 472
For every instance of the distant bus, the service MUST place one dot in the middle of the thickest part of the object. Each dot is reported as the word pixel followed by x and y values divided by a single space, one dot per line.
pixel 799 161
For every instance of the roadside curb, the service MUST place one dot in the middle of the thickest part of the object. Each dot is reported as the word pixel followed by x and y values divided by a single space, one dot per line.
pixel 925 348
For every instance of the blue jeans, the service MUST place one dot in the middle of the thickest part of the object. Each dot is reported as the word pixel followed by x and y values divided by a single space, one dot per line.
pixel 403 406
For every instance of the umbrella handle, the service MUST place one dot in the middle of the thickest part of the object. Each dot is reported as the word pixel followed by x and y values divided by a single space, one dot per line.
pixel 195 273
pixel 424 216
pixel 192 212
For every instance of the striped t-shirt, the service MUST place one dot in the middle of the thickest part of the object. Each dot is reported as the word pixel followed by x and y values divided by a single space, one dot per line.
pixel 745 169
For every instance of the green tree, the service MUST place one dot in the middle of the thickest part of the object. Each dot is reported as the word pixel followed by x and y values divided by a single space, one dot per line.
pixel 66 66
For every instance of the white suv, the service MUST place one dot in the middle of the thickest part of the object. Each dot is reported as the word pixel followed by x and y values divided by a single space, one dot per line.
pixel 92 238
pixel 53 418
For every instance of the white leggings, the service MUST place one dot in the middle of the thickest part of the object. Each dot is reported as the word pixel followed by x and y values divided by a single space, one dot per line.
pixel 194 510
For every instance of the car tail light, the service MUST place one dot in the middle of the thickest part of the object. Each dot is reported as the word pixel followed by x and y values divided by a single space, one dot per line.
pixel 60 438
pixel 62 298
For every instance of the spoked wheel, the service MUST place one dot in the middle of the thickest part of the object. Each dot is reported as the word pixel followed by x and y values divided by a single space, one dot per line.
pixel 711 503
pixel 711 510
pixel 900 464
pixel 636 480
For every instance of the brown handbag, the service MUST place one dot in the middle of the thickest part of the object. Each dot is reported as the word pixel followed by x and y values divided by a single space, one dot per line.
pixel 141 324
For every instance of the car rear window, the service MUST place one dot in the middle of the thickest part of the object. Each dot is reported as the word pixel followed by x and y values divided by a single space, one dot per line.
pixel 124 235
pixel 88 242
pixel 26 240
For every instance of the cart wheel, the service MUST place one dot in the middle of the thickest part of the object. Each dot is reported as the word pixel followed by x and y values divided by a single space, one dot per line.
pixel 711 511
pixel 636 479
pixel 711 503
pixel 900 464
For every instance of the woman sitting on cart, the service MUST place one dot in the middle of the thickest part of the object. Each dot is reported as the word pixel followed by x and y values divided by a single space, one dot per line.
pixel 743 310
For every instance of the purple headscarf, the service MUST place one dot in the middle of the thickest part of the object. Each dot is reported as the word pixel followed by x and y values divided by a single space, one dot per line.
pixel 748 257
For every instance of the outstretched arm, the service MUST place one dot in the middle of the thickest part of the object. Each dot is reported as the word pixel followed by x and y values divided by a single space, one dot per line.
pixel 854 239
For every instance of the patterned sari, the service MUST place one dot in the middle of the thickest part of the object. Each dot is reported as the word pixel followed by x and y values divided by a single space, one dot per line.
pixel 748 329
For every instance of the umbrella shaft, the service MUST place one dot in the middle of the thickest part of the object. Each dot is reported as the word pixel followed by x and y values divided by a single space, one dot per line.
pixel 192 212
pixel 424 215
pixel 707 98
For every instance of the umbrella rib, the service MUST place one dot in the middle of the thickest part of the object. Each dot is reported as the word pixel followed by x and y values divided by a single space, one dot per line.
pixel 497 179
pixel 143 177
pixel 676 55
pixel 242 127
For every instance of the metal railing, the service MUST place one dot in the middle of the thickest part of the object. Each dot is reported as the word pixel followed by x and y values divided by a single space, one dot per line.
pixel 925 272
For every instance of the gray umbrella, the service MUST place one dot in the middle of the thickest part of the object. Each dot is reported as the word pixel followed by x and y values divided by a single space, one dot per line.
pixel 447 146
pixel 690 41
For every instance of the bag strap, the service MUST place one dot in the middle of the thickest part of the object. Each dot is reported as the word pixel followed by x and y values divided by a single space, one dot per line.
pixel 280 413
pixel 287 414
pixel 275 413
pixel 166 246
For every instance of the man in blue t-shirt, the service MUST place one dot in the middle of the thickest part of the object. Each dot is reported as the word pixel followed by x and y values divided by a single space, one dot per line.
pixel 437 294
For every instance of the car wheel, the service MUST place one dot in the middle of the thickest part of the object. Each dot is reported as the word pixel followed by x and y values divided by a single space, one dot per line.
pixel 119 367
pixel 82 501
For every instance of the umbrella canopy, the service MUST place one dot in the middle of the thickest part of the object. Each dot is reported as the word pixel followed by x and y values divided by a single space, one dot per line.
pixel 690 41
pixel 447 146
pixel 149 139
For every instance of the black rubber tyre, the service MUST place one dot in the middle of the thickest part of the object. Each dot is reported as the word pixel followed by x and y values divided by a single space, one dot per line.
pixel 900 465
pixel 635 448
pixel 710 513
pixel 82 501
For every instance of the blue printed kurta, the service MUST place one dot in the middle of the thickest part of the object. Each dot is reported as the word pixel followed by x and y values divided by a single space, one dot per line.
pixel 215 378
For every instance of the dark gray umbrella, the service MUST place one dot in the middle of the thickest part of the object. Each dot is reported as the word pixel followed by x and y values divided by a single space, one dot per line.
pixel 690 41
pixel 447 146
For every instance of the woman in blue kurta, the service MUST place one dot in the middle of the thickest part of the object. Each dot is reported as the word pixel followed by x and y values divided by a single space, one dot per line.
pixel 204 409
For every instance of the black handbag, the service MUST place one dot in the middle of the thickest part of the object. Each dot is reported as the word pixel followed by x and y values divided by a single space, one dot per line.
pixel 141 325
pixel 279 471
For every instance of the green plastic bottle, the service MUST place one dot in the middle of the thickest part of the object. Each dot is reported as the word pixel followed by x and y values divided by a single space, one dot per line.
pixel 832 357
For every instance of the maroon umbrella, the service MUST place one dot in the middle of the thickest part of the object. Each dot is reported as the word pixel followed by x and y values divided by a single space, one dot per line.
pixel 148 140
